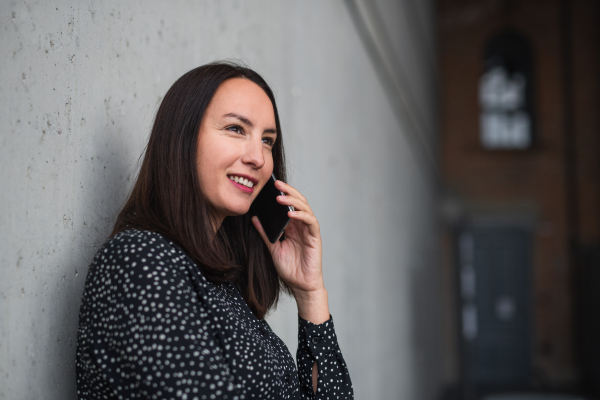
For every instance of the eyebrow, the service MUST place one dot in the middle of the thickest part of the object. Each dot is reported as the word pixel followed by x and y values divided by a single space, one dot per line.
pixel 248 122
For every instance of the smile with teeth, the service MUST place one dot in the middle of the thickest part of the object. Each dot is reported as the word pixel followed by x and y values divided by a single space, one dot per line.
pixel 241 181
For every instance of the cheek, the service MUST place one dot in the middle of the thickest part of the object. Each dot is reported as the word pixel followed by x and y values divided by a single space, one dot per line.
pixel 205 168
pixel 212 161
pixel 268 163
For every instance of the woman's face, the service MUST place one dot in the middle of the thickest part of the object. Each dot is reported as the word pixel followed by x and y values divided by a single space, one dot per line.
pixel 235 142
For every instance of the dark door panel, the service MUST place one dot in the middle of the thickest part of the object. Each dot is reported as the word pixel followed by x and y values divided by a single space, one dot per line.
pixel 497 306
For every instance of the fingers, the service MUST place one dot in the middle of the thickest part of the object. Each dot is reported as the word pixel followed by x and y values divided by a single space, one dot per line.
pixel 294 198
pixel 302 211
pixel 285 188
pixel 308 219
pixel 295 202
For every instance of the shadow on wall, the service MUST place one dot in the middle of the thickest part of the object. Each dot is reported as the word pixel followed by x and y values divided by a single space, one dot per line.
pixel 105 181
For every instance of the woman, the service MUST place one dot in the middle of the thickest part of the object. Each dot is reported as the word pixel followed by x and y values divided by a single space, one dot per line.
pixel 174 302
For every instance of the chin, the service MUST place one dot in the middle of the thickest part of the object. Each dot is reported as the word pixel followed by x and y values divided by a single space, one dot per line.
pixel 237 211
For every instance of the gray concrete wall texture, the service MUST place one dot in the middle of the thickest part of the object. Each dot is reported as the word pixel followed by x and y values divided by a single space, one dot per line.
pixel 80 82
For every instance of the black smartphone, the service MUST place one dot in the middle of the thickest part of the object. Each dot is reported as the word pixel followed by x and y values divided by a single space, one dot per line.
pixel 271 214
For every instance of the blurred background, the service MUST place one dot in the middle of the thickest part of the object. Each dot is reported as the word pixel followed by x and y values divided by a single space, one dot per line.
pixel 520 165
pixel 449 149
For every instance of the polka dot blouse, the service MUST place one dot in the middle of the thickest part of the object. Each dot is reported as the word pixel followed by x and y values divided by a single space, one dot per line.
pixel 152 327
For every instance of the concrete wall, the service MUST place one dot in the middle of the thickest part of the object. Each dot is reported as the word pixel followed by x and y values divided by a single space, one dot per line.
pixel 79 85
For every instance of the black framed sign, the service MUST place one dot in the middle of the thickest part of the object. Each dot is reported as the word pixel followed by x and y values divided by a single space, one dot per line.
pixel 506 94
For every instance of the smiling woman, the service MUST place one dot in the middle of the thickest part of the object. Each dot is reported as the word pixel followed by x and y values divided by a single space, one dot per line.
pixel 174 302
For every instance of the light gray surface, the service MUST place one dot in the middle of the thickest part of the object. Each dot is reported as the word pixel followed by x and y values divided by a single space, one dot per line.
pixel 79 85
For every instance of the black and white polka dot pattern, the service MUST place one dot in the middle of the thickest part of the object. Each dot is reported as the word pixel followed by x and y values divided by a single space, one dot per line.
pixel 152 327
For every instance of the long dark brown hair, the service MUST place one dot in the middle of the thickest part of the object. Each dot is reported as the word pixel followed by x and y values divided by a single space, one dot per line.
pixel 167 198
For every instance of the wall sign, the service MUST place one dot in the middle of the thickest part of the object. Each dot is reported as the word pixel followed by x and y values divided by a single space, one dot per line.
pixel 505 94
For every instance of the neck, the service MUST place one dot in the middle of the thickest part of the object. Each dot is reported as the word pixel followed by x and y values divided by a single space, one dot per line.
pixel 217 221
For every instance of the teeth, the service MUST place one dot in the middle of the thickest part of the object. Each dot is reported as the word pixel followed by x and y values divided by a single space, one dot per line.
pixel 242 181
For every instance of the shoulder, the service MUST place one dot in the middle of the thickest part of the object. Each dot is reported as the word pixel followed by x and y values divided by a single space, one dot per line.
pixel 133 241
pixel 133 247
pixel 134 259
pixel 136 277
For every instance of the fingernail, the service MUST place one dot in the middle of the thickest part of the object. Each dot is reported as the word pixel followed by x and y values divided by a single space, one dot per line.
pixel 293 212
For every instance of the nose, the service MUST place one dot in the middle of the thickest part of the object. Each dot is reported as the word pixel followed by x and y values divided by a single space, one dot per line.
pixel 254 154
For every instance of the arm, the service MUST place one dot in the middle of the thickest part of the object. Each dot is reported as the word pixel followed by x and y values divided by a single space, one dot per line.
pixel 317 345
pixel 313 307
pixel 298 260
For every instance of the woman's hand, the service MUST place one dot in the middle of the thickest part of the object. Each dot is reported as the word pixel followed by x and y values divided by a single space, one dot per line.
pixel 298 259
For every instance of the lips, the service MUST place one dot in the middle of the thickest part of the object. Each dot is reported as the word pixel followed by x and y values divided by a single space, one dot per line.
pixel 244 180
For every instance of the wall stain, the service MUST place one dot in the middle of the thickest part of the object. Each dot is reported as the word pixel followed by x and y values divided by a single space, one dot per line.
pixel 68 114
pixel 70 26
pixel 15 52
pixel 107 108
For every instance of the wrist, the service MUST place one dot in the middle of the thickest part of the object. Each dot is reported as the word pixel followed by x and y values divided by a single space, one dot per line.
pixel 309 295
pixel 313 305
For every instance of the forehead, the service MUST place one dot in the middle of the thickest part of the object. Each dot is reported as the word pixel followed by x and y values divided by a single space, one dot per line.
pixel 242 96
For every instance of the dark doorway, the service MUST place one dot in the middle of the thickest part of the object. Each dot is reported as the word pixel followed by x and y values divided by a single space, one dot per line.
pixel 496 313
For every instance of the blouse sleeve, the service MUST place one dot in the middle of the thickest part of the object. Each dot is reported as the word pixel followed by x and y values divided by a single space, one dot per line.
pixel 145 332
pixel 319 343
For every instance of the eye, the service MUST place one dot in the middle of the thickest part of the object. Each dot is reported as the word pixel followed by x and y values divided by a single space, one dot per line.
pixel 269 141
pixel 235 128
